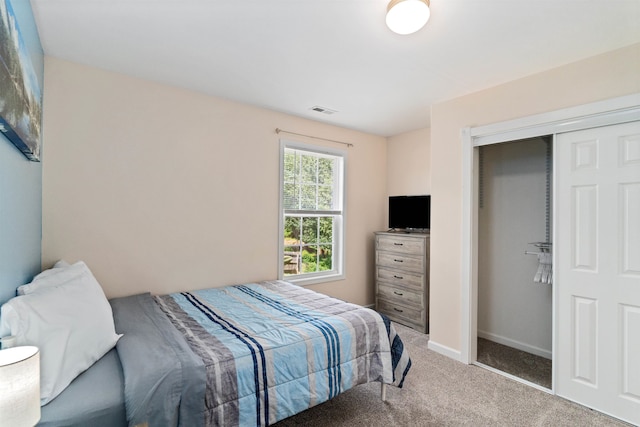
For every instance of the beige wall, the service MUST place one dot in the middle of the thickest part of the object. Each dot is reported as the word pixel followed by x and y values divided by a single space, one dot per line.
pixel 602 77
pixel 408 162
pixel 162 189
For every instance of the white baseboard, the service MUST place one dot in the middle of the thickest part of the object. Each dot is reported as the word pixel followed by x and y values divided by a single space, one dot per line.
pixel 547 354
pixel 444 350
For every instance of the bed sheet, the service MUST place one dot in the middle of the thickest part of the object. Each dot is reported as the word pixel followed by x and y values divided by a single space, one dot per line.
pixel 95 398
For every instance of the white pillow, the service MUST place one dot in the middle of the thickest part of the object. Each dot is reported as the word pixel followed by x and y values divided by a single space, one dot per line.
pixel 70 321
pixel 61 264
pixel 30 287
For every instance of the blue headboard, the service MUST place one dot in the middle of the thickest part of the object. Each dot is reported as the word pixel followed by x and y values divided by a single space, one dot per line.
pixel 20 219
pixel 20 186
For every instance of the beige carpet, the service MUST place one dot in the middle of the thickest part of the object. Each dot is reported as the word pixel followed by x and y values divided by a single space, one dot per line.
pixel 442 392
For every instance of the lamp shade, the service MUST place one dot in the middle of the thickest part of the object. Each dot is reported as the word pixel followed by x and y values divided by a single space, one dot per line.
pixel 19 386
pixel 407 16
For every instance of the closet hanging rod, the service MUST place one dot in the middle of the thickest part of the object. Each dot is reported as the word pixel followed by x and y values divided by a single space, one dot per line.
pixel 541 244
pixel 348 144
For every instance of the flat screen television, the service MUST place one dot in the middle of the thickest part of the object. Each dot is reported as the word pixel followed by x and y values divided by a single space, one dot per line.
pixel 410 212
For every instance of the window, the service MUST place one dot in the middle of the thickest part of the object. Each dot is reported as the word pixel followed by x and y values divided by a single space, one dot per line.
pixel 312 213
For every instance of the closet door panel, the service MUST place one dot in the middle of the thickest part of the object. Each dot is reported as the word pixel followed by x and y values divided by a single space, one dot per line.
pixel 630 352
pixel 630 242
pixel 585 236
pixel 585 356
pixel 597 268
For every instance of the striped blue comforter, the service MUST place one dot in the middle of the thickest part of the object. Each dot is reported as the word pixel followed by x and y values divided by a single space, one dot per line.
pixel 273 349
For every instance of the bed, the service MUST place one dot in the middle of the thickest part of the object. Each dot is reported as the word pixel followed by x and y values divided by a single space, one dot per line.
pixel 249 354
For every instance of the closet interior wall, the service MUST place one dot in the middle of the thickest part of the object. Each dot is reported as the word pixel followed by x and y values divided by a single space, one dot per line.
pixel 513 213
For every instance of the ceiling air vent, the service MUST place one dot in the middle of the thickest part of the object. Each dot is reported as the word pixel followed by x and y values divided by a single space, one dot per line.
pixel 323 110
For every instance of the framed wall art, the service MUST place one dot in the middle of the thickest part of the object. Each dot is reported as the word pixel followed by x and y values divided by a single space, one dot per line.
pixel 20 93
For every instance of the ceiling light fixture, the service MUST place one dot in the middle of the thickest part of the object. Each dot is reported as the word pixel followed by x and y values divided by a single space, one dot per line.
pixel 407 16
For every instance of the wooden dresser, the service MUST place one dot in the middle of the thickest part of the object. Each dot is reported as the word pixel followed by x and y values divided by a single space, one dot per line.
pixel 402 277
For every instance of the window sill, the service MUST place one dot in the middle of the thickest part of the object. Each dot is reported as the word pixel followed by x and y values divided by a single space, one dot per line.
pixel 306 281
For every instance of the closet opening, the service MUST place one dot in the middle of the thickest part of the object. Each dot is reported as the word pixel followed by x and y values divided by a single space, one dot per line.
pixel 515 294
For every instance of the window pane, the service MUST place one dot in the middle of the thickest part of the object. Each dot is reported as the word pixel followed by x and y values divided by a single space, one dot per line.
pixel 310 230
pixel 309 169
pixel 325 171
pixel 308 197
pixel 292 260
pixel 325 260
pixel 326 229
pixel 291 196
pixel 325 198
pixel 309 259
pixel 290 161
pixel 291 230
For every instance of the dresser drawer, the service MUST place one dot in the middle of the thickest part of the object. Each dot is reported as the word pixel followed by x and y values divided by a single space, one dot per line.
pixel 400 295
pixel 400 244
pixel 401 278
pixel 404 262
pixel 402 314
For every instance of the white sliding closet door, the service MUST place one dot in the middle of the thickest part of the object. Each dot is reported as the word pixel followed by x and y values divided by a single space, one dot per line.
pixel 598 268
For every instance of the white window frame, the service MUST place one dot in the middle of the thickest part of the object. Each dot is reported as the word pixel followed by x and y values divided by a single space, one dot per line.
pixel 338 250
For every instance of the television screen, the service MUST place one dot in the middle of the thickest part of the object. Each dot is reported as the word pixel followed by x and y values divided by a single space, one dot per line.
pixel 410 212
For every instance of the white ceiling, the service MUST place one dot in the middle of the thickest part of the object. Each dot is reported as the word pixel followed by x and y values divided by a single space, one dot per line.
pixel 290 55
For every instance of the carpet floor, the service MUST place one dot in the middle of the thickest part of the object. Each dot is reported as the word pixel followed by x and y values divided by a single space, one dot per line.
pixel 439 391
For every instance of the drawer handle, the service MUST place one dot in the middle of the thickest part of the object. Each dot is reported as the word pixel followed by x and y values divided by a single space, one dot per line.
pixel 398 277
pixel 398 310
pixel 399 244
pixel 398 293
pixel 398 260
